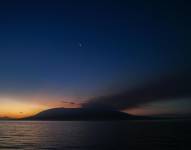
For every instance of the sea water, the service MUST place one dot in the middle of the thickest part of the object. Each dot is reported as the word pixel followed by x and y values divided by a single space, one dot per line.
pixel 95 135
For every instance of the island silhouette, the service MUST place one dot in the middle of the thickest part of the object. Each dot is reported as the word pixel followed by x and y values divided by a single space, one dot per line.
pixel 82 114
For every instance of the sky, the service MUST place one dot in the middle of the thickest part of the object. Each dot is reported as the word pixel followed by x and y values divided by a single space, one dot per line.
pixel 70 53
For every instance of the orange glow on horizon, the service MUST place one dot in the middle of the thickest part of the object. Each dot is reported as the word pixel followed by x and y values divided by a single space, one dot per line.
pixel 141 111
pixel 16 108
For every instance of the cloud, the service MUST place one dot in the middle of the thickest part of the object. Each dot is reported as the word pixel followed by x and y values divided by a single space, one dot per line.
pixel 177 85
pixel 67 102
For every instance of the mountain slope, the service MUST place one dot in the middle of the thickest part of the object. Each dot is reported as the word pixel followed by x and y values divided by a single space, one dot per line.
pixel 79 114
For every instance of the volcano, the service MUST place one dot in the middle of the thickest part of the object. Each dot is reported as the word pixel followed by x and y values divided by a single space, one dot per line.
pixel 80 114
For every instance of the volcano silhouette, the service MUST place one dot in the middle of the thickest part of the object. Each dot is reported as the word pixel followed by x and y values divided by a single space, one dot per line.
pixel 80 114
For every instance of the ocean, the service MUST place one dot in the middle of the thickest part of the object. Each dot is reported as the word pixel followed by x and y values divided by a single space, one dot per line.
pixel 96 135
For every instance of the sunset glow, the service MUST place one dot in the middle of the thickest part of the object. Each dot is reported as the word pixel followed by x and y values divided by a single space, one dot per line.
pixel 15 109
pixel 75 54
pixel 18 108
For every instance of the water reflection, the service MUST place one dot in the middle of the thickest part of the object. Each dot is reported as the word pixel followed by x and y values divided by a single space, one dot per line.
pixel 68 135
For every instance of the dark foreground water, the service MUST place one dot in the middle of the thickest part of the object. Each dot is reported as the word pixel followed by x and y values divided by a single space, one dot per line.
pixel 84 135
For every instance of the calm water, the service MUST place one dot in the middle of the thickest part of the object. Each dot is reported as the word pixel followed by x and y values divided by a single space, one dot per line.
pixel 84 135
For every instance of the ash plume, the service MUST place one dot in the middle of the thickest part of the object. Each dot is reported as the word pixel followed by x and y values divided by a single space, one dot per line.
pixel 177 85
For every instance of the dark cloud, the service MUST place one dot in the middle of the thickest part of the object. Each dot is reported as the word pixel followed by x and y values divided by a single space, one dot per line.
pixel 66 102
pixel 177 85
pixel 72 103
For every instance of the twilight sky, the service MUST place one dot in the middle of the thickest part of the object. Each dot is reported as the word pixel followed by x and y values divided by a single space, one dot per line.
pixel 67 53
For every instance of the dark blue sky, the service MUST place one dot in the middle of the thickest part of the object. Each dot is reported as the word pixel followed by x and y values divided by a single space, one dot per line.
pixel 85 47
